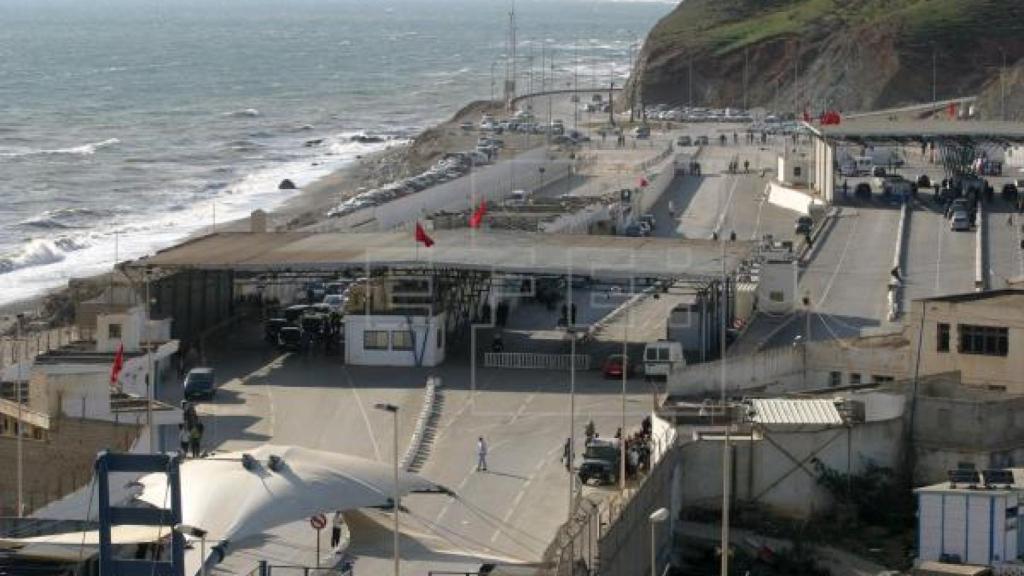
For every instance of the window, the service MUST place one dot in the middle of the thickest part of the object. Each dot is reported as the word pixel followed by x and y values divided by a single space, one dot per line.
pixel 835 378
pixel 777 296
pixel 854 378
pixel 797 171
pixel 375 340
pixel 401 340
pixel 986 340
pixel 880 379
pixel 942 337
pixel 113 331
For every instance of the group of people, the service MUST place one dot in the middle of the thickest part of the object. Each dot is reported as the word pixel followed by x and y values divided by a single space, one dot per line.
pixel 638 449
pixel 734 166
pixel 190 432
pixel 693 168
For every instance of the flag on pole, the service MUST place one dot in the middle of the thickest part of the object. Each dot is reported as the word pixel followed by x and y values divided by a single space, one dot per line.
pixel 421 236
pixel 951 110
pixel 477 217
pixel 115 370
pixel 643 182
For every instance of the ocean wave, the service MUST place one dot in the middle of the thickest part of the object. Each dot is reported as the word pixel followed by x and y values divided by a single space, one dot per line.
pixel 64 218
pixel 244 113
pixel 40 252
pixel 83 150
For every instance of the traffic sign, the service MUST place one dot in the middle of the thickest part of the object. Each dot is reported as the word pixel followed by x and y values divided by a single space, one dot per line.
pixel 318 521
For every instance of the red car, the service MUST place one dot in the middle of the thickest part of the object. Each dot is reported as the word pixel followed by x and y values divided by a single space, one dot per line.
pixel 612 367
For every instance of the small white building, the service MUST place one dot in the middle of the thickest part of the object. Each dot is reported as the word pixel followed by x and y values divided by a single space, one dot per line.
pixel 792 169
pixel 970 525
pixel 393 339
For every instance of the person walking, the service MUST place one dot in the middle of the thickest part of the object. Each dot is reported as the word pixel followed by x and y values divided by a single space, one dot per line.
pixel 336 523
pixel 481 455
pixel 183 439
pixel 195 438
pixel 567 454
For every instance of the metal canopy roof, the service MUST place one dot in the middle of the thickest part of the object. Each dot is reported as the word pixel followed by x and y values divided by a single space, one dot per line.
pixel 884 130
pixel 790 412
pixel 510 252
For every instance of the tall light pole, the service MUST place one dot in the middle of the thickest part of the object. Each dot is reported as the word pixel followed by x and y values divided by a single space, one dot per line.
pixel 571 331
pixel 397 495
pixel 625 371
pixel 493 63
pixel 726 446
pixel 1002 86
pixel 19 424
pixel 657 517
pixel 151 376
pixel 935 93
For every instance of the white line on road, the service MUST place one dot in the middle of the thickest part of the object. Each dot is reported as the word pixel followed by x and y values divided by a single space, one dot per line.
pixel 839 264
pixel 366 417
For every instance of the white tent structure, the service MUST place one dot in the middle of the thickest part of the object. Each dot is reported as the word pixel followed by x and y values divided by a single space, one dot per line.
pixel 235 496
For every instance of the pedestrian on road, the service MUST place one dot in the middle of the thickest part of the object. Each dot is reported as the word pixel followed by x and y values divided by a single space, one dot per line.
pixel 195 438
pixel 481 454
pixel 567 454
pixel 183 439
pixel 336 523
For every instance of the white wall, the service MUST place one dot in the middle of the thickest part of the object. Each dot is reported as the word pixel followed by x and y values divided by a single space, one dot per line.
pixel 132 325
pixel 777 277
pixel 790 199
pixel 428 350
pixel 972 525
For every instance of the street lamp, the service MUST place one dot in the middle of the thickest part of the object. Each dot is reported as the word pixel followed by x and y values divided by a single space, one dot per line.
pixel 397 496
pixel 19 424
pixel 656 517
pixel 151 375
pixel 187 530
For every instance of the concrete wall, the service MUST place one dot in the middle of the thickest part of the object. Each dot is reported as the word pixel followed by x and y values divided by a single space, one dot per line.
pixel 789 198
pixel 800 367
pixel 131 326
pixel 777 279
pixel 776 472
pixel 1005 372
pixel 61 463
pixel 428 350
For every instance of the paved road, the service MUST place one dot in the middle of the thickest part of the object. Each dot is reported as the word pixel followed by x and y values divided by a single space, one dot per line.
pixel 316 401
pixel 939 260
pixel 1003 253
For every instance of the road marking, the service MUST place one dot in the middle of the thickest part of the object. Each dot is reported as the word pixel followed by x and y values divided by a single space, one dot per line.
pixel 839 265
pixel 724 210
pixel 362 410
pixel 522 491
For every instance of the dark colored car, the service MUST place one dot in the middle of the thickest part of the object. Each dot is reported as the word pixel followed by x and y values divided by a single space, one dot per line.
pixel 290 338
pixel 863 190
pixel 200 384
pixel 804 225
pixel 600 462
pixel 293 313
pixel 271 327
pixel 613 365
pixel 1010 191
pixel 923 181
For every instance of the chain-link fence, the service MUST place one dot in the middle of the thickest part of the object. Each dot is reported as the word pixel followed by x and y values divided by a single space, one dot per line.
pixel 574 549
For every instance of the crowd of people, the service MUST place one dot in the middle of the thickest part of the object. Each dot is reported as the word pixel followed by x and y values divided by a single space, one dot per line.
pixel 190 432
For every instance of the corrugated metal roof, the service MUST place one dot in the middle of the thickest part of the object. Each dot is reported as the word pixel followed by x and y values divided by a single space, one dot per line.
pixel 795 412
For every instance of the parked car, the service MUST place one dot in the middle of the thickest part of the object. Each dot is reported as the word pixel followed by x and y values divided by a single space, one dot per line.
pixel 200 384
pixel 960 221
pixel 642 132
pixel 271 327
pixel 862 190
pixel 649 220
pixel 804 224
pixel 293 313
pixel 290 338
pixel 635 230
pixel 600 462
pixel 684 141
pixel 335 303
pixel 1010 191
pixel 613 366
pixel 923 181
pixel 662 358
pixel 466 126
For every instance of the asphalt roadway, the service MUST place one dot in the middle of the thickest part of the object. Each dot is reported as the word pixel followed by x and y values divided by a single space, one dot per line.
pixel 316 401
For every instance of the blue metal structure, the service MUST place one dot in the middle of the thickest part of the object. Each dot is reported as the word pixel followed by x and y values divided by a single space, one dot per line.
pixel 107 462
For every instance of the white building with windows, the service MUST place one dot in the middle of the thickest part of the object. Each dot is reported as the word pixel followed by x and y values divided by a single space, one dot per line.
pixel 979 334
pixel 394 340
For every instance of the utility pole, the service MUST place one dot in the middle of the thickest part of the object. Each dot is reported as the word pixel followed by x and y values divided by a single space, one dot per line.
pixel 575 83
pixel 19 425
pixel 151 375
pixel 796 80
pixel 1002 86
pixel 935 57
pixel 746 66
pixel 493 63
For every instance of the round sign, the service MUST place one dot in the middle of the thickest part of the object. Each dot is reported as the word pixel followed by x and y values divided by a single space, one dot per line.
pixel 318 521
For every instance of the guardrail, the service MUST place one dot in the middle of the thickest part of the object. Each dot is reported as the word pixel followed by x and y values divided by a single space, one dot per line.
pixel 535 361
pixel 423 437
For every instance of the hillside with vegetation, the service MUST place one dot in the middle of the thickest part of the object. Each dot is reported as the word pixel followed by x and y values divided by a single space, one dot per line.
pixel 844 54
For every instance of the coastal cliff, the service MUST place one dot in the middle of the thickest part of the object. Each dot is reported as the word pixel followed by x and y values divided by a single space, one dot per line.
pixel 843 54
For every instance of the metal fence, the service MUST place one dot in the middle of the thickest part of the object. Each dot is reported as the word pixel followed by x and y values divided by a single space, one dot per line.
pixel 32 344
pixel 574 551
pixel 266 569
pixel 535 361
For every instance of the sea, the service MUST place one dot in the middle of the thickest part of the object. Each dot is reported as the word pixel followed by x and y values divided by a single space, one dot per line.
pixel 127 125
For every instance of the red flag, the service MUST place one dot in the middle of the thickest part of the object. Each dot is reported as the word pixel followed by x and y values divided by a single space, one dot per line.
pixel 478 215
pixel 807 116
pixel 421 236
pixel 643 182
pixel 952 110
pixel 115 370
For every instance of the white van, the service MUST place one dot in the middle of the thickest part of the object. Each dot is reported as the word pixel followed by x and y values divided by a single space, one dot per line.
pixel 662 358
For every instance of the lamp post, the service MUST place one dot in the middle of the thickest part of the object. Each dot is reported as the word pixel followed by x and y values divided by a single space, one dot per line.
pixel 397 496
pixel 151 376
pixel 625 371
pixel 19 424
pixel 186 530
pixel 656 517
pixel 571 331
